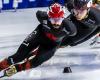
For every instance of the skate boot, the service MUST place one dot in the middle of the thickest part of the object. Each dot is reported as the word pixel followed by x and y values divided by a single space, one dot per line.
pixel 10 71
pixel 13 69
pixel 4 64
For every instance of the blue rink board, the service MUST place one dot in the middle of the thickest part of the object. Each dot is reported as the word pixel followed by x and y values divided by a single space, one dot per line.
pixel 29 3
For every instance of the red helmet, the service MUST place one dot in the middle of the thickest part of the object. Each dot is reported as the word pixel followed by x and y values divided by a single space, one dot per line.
pixel 56 11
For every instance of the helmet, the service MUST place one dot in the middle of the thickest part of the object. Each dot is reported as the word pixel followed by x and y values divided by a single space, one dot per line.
pixel 56 11
pixel 81 3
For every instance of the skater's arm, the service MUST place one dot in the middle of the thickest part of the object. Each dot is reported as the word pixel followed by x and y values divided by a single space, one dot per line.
pixel 70 27
pixel 41 16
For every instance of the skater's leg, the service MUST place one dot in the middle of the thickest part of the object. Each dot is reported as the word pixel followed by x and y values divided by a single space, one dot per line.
pixel 42 56
pixel 30 43
pixel 20 55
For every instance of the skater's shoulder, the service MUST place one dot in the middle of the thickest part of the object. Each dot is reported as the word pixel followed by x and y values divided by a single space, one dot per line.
pixel 67 21
pixel 42 16
pixel 94 12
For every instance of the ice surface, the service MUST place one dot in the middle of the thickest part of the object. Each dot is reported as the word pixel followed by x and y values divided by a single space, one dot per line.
pixel 83 60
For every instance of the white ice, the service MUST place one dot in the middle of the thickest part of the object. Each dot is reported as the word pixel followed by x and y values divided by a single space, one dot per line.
pixel 83 60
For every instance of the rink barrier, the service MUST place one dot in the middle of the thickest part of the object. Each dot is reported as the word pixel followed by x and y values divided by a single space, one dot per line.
pixel 12 4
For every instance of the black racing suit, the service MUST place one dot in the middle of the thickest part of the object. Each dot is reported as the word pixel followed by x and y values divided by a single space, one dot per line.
pixel 86 28
pixel 46 38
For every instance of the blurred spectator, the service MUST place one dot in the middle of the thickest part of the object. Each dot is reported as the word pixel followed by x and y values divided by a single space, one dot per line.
pixel 15 4
pixel 96 3
pixel 1 5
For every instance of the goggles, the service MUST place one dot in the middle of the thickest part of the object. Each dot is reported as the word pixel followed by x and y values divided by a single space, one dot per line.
pixel 56 21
